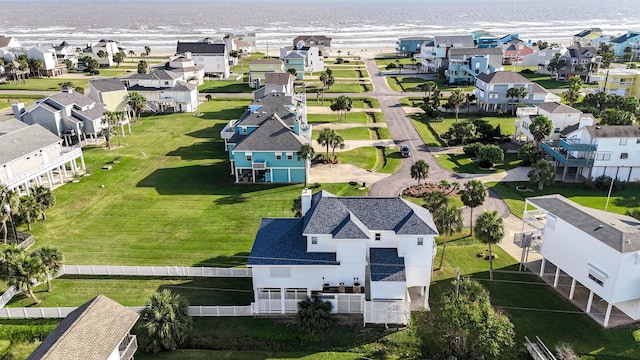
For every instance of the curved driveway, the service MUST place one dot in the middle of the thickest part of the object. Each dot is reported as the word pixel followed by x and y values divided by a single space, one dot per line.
pixel 403 132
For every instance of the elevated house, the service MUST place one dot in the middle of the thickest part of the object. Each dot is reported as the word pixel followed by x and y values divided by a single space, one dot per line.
pixel 47 55
pixel 313 59
pixel 322 42
pixel 259 67
pixel 362 254
pixel 491 91
pixel 264 143
pixel 621 42
pixel 579 61
pixel 541 58
pixel 623 82
pixel 165 91
pixel 433 55
pixel 589 255
pixel 9 43
pixel 72 116
pixel 591 37
pixel 564 118
pixel 465 64
pixel 110 47
pixel 515 51
pixel 187 68
pixel 31 155
pixel 410 46
pixel 211 54
pixel 594 150
pixel 114 95
pixel 295 61
pixel 99 330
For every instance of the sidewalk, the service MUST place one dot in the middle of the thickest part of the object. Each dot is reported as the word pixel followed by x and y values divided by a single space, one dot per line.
pixel 353 144
pixel 342 173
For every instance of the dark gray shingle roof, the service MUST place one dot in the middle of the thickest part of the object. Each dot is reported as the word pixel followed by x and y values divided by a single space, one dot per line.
pixel 272 134
pixel 200 48
pixel 71 98
pixel 619 232
pixel 623 131
pixel 503 77
pixel 280 242
pixel 106 85
pixel 386 265
pixel 160 74
pixel 557 108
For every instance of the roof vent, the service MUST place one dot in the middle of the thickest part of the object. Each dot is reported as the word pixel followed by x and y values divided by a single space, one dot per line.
pixel 599 227
pixel 598 127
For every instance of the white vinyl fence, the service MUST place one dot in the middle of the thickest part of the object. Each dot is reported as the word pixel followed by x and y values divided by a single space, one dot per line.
pixel 117 270
pixel 61 312
pixel 387 312
pixel 8 295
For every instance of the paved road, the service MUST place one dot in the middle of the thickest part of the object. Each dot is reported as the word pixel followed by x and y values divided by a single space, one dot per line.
pixel 403 132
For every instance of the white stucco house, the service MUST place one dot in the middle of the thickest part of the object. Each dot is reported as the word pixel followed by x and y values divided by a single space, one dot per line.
pixel 564 118
pixel 313 59
pixel 210 53
pixel 360 253
pixel 31 155
pixel 99 330
pixel 491 91
pixel 49 60
pixel 165 91
pixel 184 65
pixel 594 150
pixel 108 46
pixel 597 250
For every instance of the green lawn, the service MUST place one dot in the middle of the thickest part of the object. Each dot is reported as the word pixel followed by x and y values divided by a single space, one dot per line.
pixel 370 158
pixel 43 84
pixel 507 124
pixel 7 100
pixel 115 72
pixel 356 117
pixel 245 355
pixel 461 163
pixel 357 102
pixel 423 128
pixel 224 86
pixel 621 200
pixel 356 133
pixel 134 291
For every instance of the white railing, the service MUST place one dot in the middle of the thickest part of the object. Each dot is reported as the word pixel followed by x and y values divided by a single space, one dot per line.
pixel 8 295
pixel 66 157
pixel 117 270
pixel 387 312
pixel 61 312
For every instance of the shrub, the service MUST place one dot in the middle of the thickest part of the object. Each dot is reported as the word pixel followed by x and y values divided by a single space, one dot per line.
pixel 491 154
pixel 339 60
pixel 528 153
pixel 472 149
pixel 603 182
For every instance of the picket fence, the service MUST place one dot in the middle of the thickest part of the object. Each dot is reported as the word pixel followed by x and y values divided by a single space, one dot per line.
pixel 61 312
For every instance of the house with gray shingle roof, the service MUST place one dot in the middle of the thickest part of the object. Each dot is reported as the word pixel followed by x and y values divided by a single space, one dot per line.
pixel 31 155
pixel 98 330
pixel 434 55
pixel 68 114
pixel 562 116
pixel 353 251
pixel 595 150
pixel 259 67
pixel 212 54
pixel 491 91
pixel 165 91
pixel 589 251
pixel 264 143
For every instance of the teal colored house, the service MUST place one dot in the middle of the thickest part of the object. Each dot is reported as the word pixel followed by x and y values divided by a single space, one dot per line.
pixel 293 60
pixel 411 45
pixel 464 64
pixel 263 144
pixel 623 41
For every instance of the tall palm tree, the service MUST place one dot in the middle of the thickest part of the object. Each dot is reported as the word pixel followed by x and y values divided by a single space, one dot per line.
pixel 44 197
pixel 314 314
pixel 109 119
pixel 457 99
pixel 137 102
pixel 571 96
pixel 336 142
pixel 52 259
pixel 429 86
pixel 419 170
pixel 540 127
pixel 164 322
pixel 325 138
pixel 473 195
pixel 102 55
pixel 490 230
pixel 147 51
pixel 24 271
pixel 12 199
pixel 35 65
pixel 307 153
pixel 29 209
pixel 448 219
pixel 131 54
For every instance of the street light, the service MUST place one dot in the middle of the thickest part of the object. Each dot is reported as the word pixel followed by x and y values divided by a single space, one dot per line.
pixel 7 210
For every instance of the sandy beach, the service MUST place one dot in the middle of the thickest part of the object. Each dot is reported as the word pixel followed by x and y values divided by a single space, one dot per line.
pixel 344 52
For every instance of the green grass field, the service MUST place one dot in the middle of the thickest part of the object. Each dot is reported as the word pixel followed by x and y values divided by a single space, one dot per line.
pixel 461 163
pixel 356 133
pixel 44 84
pixel 507 125
pixel 224 86
pixel 356 117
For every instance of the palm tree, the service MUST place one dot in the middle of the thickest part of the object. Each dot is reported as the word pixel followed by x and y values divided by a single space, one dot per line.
pixel 325 138
pixel 473 195
pixel 307 153
pixel 131 54
pixel 571 96
pixel 540 127
pixel 516 92
pixel 24 271
pixel 44 197
pixel 429 86
pixel 109 119
pixel 29 209
pixel 448 219
pixel 490 230
pixel 137 102
pixel 342 104
pixel 52 259
pixel 456 99
pixel 419 170
pixel 35 65
pixel 399 66
pixel 314 314
pixel 102 55
pixel 336 142
pixel 542 173
pixel 164 322
pixel 147 51
pixel 8 199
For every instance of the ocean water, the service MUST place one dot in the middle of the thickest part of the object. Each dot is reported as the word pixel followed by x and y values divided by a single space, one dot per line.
pixel 351 23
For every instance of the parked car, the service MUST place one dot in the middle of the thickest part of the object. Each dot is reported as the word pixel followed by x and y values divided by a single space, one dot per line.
pixel 404 151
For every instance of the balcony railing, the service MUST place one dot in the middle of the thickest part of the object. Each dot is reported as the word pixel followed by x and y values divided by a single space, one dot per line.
pixel 259 165
pixel 228 130
pixel 128 347
pixel 564 157
pixel 67 154
pixel 575 145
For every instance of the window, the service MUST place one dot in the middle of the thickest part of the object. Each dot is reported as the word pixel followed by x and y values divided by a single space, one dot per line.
pixel 420 241
pixel 249 157
pixel 624 156
pixel 623 141
pixel 166 83
pixel 597 275
pixel 556 130
pixel 603 156
pixel 289 156
pixel 278 156
pixel 243 130
pixel 378 236
pixel 314 240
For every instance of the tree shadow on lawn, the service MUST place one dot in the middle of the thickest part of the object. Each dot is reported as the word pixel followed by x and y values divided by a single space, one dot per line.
pixel 627 201
pixel 214 291
pixel 225 261
pixel 198 151
pixel 212 132
pixel 224 114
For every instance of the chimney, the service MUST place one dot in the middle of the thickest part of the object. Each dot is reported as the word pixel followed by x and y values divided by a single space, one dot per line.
pixel 18 110
pixel 306 201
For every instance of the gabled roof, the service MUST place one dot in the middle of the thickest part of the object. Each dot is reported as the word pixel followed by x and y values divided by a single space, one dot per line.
pixel 278 78
pixel 376 214
pixel 107 85
pixel 625 37
pixel 386 265
pixel 293 55
pixel 326 41
pixel 619 232
pixel 24 141
pixel 613 131
pixel 350 228
pixel 266 110
pixel 450 40
pixel 201 48
pixel 160 74
pixel 5 40
pixel 557 108
pixel 92 331
pixel 280 242
pixel 272 134
pixel 474 51
pixel 503 77
pixel 72 98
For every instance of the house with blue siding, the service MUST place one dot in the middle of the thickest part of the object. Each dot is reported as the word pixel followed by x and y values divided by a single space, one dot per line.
pixel 264 143
pixel 621 42
pixel 295 61
pixel 465 64
pixel 410 46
